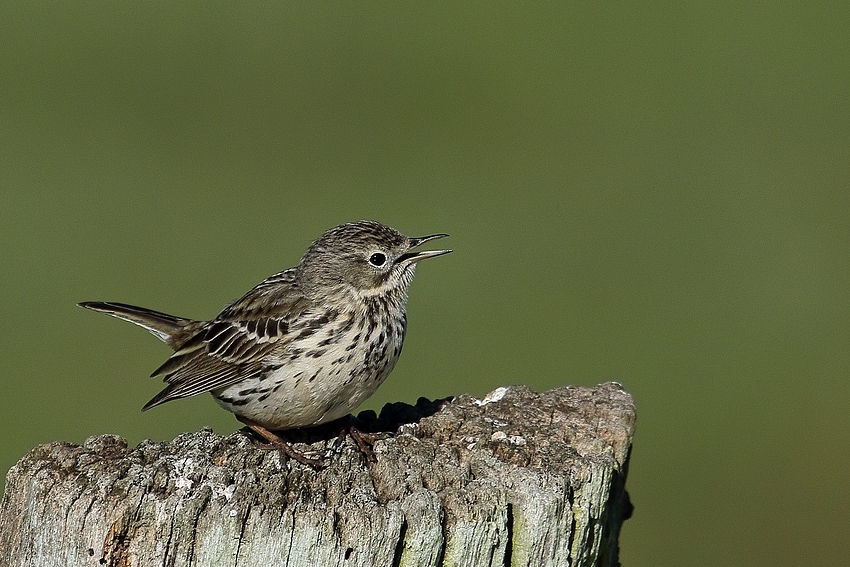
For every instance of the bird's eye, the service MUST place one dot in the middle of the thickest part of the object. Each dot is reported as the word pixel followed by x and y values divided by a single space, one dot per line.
pixel 378 259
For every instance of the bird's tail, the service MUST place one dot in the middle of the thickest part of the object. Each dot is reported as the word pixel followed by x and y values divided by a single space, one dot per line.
pixel 174 331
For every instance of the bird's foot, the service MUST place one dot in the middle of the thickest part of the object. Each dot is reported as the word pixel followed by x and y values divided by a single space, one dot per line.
pixel 284 447
pixel 364 441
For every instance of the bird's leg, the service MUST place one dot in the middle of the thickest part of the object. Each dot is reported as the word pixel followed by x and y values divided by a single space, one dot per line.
pixel 364 441
pixel 283 446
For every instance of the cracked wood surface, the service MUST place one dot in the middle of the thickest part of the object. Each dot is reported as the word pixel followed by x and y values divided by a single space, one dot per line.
pixel 518 478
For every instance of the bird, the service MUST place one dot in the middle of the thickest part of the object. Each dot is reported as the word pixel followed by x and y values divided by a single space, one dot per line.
pixel 304 347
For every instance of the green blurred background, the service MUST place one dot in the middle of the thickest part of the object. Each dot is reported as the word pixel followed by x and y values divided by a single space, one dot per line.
pixel 654 194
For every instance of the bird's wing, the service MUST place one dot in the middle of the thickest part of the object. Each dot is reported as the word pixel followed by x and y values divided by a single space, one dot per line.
pixel 236 344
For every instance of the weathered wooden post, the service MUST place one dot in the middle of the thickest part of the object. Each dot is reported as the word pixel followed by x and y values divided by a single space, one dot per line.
pixel 518 478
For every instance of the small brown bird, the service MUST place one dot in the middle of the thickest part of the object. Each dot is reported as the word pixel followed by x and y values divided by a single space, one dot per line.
pixel 305 346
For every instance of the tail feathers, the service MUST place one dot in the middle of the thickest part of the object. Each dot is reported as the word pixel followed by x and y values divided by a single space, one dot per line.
pixel 174 331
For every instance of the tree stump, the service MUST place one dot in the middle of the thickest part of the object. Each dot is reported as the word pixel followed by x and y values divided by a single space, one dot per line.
pixel 518 478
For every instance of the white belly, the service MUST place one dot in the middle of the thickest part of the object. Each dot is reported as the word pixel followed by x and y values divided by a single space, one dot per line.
pixel 316 384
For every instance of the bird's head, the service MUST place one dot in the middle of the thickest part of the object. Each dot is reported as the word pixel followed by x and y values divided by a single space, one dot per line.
pixel 364 258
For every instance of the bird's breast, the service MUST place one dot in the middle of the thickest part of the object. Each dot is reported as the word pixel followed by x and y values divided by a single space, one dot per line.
pixel 323 374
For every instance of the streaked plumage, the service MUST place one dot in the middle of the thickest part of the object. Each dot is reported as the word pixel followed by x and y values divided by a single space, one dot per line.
pixel 305 346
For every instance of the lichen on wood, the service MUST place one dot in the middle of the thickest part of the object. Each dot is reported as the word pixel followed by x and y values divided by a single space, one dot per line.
pixel 518 478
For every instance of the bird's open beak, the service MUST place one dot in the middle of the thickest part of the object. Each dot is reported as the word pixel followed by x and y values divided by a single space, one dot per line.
pixel 416 256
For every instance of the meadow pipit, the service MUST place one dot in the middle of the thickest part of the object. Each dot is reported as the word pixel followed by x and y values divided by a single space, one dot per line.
pixel 305 346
